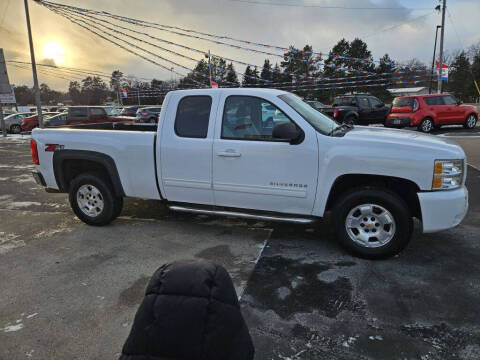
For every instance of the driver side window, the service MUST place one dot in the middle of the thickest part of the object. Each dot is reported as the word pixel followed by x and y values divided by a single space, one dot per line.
pixel 250 118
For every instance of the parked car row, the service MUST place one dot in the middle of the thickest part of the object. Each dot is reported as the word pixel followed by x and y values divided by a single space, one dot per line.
pixel 27 121
pixel 425 112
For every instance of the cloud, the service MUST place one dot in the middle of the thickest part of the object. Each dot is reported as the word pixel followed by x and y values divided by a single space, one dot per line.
pixel 401 33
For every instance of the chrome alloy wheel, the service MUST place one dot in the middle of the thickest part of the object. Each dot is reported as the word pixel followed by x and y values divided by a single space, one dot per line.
pixel 90 200
pixel 471 121
pixel 370 225
pixel 427 125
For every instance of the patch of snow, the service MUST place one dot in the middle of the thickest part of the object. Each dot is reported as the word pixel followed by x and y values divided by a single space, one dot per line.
pixel 376 337
pixel 32 315
pixel 12 328
pixel 329 275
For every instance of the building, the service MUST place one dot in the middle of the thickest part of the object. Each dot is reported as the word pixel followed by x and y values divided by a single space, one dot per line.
pixel 408 91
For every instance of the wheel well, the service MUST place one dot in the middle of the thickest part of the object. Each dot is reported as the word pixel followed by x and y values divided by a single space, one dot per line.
pixel 74 167
pixel 404 188
pixel 68 164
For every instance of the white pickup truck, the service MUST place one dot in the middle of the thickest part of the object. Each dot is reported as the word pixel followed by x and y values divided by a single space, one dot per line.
pixel 265 154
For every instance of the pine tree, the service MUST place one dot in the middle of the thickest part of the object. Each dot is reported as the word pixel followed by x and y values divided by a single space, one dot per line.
pixel 266 73
pixel 247 77
pixel 460 80
pixel 232 77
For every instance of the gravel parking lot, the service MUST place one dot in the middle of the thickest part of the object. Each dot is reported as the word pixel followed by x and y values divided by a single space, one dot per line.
pixel 70 291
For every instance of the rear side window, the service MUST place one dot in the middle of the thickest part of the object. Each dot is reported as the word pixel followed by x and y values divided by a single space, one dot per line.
pixel 78 113
pixel 363 103
pixel 192 117
pixel 434 100
pixel 449 100
pixel 401 102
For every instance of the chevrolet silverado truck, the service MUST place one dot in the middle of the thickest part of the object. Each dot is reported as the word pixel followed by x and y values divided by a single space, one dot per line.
pixel 218 151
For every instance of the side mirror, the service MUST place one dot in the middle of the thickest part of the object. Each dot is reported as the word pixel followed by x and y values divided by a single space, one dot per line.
pixel 380 105
pixel 286 131
pixel 459 102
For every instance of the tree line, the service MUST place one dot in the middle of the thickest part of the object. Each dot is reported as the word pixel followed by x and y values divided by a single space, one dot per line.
pixel 297 67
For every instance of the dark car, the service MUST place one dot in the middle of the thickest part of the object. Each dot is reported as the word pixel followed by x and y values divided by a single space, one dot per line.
pixel 92 114
pixel 148 114
pixel 57 120
pixel 130 111
pixel 317 105
pixel 361 109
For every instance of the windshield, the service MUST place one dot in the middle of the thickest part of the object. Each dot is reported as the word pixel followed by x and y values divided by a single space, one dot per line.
pixel 319 121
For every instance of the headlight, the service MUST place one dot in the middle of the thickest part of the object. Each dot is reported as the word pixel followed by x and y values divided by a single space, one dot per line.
pixel 447 174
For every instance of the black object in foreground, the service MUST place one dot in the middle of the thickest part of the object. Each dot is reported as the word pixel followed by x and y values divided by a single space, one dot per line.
pixel 190 311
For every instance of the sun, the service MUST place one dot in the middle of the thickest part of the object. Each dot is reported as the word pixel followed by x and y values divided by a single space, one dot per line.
pixel 53 50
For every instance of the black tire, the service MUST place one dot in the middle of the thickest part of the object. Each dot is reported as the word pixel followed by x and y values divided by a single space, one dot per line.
pixel 15 129
pixel 350 120
pixel 380 197
pixel 470 124
pixel 112 205
pixel 426 125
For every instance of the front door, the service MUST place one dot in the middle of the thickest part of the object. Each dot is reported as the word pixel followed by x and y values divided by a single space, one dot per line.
pixel 185 148
pixel 254 171
pixel 454 112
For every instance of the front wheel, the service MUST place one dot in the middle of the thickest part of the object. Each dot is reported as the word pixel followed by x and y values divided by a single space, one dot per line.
pixel 92 199
pixel 372 223
pixel 470 122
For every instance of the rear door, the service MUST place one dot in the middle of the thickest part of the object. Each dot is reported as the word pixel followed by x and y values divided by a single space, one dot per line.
pixel 364 109
pixel 185 151
pixel 378 110
pixel 436 106
pixel 252 170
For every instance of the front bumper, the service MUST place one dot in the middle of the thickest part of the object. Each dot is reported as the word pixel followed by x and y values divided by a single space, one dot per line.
pixel 443 209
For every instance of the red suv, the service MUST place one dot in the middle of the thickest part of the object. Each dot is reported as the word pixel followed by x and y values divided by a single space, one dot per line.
pixel 427 112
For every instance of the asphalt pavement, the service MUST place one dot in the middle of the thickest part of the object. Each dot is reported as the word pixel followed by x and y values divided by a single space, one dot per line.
pixel 70 291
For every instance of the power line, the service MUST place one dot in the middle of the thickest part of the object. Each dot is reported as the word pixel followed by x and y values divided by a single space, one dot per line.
pixel 273 3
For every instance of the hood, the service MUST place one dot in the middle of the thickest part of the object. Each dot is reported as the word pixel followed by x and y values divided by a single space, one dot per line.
pixel 440 147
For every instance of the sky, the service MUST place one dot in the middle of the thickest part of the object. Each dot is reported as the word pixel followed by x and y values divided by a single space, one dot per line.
pixel 402 33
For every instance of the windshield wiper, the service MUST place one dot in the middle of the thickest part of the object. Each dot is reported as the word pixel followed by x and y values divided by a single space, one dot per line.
pixel 342 127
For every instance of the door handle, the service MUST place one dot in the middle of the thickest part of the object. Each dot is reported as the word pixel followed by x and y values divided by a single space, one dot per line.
pixel 229 153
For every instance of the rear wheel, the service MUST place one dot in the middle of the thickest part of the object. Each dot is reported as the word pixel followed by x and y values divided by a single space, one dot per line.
pixel 92 199
pixel 426 125
pixel 470 122
pixel 15 129
pixel 372 222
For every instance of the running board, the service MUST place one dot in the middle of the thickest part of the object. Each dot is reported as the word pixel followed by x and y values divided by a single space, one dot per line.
pixel 290 219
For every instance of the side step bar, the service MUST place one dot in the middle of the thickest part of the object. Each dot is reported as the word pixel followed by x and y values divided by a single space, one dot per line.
pixel 244 215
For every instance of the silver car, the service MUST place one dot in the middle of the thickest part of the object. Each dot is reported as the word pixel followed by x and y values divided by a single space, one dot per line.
pixel 12 122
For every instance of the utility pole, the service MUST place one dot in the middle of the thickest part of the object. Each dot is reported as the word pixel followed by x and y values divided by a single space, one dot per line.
pixel 171 78
pixel 34 68
pixel 209 69
pixel 440 60
pixel 433 60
